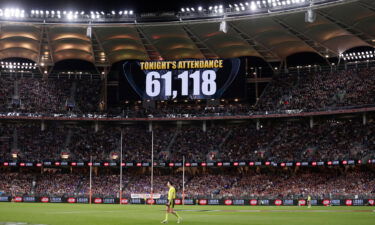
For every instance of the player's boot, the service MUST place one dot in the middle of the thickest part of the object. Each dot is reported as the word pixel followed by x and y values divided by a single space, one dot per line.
pixel 164 221
pixel 179 220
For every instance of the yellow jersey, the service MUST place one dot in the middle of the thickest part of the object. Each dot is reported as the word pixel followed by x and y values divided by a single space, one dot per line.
pixel 171 193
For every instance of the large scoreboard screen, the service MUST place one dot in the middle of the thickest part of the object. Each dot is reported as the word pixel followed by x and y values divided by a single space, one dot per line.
pixel 183 79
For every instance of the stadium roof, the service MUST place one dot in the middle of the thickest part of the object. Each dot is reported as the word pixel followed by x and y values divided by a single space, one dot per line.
pixel 273 37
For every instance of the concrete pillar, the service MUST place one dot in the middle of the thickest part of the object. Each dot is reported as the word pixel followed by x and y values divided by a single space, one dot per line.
pixel 364 118
pixel 149 126
pixel 43 126
pixel 96 126
pixel 311 122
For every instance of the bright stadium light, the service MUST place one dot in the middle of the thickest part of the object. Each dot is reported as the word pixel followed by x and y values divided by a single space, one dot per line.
pixel 12 13
pixel 70 16
pixel 253 6
pixel 6 13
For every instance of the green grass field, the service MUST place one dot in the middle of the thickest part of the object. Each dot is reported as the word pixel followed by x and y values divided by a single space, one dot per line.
pixel 82 214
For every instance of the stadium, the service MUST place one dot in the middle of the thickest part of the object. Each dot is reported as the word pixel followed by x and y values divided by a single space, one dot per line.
pixel 222 112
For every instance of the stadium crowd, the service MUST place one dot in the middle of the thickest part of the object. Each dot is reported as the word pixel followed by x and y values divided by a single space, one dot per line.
pixel 319 90
pixel 277 141
pixel 290 141
pixel 37 95
pixel 246 184
pixel 270 140
pixel 308 92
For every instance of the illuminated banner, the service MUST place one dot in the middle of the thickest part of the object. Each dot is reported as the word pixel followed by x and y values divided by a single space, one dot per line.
pixel 252 202
pixel 228 202
pixel 188 79
pixel 18 199
pixel 124 201
pixel 56 199
pixel 71 200
pixel 79 200
pixel 4 199
pixel 98 200
pixel 239 202
pixel 189 201
pixel 44 199
pixel 109 200
pixel 143 196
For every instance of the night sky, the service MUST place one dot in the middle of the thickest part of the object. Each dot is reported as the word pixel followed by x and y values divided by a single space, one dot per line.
pixel 108 5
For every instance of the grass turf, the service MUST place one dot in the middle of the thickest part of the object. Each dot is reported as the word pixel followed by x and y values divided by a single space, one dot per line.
pixel 83 214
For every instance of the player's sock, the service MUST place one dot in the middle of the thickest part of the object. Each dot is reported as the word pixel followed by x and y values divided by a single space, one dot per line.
pixel 166 217
pixel 176 214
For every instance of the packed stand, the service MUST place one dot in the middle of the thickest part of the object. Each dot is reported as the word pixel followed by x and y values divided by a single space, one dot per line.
pixel 318 184
pixel 325 183
pixel 195 144
pixel 37 95
pixel 276 141
pixel 320 90
pixel 6 93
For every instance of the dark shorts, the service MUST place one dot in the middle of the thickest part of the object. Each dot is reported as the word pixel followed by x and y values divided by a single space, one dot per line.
pixel 171 204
